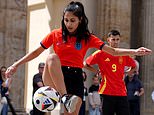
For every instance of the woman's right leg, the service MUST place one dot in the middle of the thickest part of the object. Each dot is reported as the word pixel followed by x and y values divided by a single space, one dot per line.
pixel 52 75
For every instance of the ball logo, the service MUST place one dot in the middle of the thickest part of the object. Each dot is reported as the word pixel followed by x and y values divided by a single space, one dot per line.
pixel 46 104
pixel 47 101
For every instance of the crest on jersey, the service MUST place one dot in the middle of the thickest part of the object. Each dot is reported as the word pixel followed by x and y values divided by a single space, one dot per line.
pixel 78 46
pixel 120 60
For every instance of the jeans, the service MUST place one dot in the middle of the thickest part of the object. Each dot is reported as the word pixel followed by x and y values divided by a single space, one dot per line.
pixel 4 109
pixel 95 111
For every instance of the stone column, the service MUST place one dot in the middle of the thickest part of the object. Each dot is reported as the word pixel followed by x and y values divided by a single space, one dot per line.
pixel 147 32
pixel 114 14
pixel 136 36
pixel 13 44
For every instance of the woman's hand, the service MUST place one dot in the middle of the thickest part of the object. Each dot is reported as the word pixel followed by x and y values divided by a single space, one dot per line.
pixel 10 71
pixel 142 51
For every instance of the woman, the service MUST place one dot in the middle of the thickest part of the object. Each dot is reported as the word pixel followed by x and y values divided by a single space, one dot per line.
pixel 5 87
pixel 63 70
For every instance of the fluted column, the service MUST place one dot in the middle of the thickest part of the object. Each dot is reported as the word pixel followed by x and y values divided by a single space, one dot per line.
pixel 13 43
pixel 147 25
pixel 114 14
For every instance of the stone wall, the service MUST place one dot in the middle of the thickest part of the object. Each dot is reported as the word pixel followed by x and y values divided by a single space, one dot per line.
pixel 13 43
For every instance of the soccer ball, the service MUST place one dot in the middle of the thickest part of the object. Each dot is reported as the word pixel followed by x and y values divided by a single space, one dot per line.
pixel 46 99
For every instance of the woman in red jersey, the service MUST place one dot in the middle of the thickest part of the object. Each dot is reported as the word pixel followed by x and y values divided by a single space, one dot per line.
pixel 63 69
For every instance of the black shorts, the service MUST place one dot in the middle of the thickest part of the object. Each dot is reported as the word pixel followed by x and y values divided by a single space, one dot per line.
pixel 73 80
pixel 115 104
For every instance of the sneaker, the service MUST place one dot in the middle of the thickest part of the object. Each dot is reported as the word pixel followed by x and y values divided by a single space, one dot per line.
pixel 70 102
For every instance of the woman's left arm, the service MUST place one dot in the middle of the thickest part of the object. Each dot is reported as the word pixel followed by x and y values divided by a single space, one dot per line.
pixel 122 52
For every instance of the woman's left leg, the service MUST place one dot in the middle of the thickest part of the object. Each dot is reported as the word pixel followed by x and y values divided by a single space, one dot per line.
pixel 73 78
pixel 76 112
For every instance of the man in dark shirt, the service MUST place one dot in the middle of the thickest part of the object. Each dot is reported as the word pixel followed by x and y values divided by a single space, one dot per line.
pixel 37 83
pixel 134 91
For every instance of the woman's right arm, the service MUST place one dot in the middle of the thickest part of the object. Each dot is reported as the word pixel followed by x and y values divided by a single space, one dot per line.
pixel 28 57
pixel 89 67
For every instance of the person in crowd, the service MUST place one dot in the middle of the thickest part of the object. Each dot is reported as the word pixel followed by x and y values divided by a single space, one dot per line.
pixel 94 97
pixel 126 69
pixel 134 91
pixel 152 95
pixel 137 65
pixel 5 88
pixel 37 83
pixel 83 106
pixel 63 69
pixel 111 67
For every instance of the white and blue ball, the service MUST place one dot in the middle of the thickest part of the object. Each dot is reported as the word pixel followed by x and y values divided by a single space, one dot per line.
pixel 46 99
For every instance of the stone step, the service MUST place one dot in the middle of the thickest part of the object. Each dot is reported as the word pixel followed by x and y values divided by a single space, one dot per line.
pixel 18 113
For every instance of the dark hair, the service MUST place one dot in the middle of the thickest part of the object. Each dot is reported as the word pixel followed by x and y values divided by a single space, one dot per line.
pixel 114 33
pixel 3 67
pixel 84 76
pixel 1 79
pixel 82 31
pixel 41 64
pixel 1 72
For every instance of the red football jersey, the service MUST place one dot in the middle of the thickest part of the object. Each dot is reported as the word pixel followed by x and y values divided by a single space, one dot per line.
pixel 70 53
pixel 112 70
